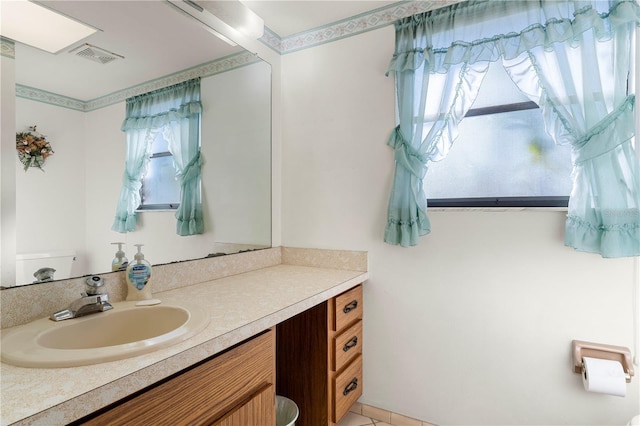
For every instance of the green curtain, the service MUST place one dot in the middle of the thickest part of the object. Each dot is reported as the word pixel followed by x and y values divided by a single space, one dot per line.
pixel 176 111
pixel 572 58
pixel 184 145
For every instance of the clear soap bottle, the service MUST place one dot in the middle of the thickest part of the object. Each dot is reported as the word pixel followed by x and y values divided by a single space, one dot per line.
pixel 137 274
pixel 120 261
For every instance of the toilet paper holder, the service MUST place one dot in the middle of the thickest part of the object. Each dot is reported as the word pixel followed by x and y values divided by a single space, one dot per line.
pixel 621 354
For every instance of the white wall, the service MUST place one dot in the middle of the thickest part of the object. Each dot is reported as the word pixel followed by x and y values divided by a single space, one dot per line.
pixel 474 325
pixel 50 204
pixel 236 147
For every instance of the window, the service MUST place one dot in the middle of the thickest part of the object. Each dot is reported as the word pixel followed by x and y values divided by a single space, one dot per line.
pixel 160 188
pixel 502 157
pixel 572 58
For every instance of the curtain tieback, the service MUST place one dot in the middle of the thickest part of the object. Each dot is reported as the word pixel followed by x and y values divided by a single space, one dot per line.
pixel 613 130
pixel 132 183
pixel 192 169
pixel 406 155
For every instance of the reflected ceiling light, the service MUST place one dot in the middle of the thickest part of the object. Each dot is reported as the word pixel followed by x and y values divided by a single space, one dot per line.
pixel 236 15
pixel 204 18
pixel 29 23
pixel 211 13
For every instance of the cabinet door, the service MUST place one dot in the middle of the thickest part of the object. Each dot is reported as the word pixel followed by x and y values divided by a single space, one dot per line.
pixel 255 411
pixel 205 393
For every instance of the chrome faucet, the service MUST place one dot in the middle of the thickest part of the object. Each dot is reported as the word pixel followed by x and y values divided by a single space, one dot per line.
pixel 93 300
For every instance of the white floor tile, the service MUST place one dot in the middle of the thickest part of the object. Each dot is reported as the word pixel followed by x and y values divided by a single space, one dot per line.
pixel 353 419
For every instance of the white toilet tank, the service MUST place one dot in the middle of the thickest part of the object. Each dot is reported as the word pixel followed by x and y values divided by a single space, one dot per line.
pixel 28 263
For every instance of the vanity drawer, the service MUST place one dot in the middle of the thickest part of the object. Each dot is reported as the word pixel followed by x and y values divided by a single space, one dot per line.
pixel 347 388
pixel 348 308
pixel 346 346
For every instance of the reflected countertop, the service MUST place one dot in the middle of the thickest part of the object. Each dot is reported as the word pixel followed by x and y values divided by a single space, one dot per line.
pixel 240 306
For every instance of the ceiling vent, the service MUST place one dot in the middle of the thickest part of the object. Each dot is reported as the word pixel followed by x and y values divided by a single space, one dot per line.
pixel 96 54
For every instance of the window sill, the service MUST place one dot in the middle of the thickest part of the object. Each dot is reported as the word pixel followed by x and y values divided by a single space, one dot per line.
pixel 496 209
pixel 155 210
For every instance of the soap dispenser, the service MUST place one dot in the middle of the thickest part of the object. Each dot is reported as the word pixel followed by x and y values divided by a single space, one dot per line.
pixel 137 275
pixel 120 261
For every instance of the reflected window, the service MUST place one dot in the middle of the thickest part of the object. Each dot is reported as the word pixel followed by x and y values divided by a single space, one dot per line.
pixel 160 188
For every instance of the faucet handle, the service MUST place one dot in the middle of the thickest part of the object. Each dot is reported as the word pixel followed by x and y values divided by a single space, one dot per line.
pixel 93 284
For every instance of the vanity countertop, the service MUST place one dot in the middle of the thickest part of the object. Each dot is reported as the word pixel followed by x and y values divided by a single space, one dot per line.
pixel 240 306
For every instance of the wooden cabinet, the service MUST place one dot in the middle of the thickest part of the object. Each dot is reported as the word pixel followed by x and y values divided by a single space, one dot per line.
pixel 236 387
pixel 319 359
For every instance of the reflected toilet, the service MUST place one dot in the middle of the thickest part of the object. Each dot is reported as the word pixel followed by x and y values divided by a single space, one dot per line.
pixel 28 265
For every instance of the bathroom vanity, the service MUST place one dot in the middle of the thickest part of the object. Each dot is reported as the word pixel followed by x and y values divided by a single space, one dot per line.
pixel 276 327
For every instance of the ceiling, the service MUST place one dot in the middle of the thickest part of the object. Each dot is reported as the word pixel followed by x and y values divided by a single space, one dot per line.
pixel 155 41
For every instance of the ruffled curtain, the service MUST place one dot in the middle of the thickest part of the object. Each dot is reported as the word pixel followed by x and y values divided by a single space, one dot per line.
pixel 187 161
pixel 137 157
pixel 570 57
pixel 175 110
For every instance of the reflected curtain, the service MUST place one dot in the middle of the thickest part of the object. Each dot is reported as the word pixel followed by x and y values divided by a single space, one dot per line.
pixel 440 60
pixel 175 110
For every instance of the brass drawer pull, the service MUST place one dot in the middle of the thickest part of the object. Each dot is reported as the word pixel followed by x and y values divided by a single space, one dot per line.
pixel 350 306
pixel 353 342
pixel 353 385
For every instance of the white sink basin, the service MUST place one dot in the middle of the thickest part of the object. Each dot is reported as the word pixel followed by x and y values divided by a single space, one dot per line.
pixel 125 331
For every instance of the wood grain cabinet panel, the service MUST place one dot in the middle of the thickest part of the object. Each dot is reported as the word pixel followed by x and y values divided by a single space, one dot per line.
pixel 235 386
pixel 253 412
pixel 319 356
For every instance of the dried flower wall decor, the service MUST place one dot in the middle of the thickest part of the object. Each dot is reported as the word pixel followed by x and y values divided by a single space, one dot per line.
pixel 33 148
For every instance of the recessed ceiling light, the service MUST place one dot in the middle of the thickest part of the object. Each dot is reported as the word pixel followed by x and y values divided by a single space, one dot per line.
pixel 35 25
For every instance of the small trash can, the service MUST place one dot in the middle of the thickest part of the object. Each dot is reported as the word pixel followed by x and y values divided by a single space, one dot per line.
pixel 286 411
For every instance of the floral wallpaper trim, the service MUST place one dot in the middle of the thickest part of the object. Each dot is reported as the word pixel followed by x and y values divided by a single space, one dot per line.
pixel 7 48
pixel 271 40
pixel 204 70
pixel 43 96
pixel 354 25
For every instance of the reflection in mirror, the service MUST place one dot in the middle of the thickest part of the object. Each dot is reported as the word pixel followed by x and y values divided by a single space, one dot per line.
pixel 80 104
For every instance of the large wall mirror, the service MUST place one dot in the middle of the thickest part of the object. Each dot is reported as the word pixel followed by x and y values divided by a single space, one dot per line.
pixel 78 103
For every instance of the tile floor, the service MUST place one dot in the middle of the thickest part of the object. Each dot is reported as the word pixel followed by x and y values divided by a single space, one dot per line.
pixel 354 419
pixel 367 415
